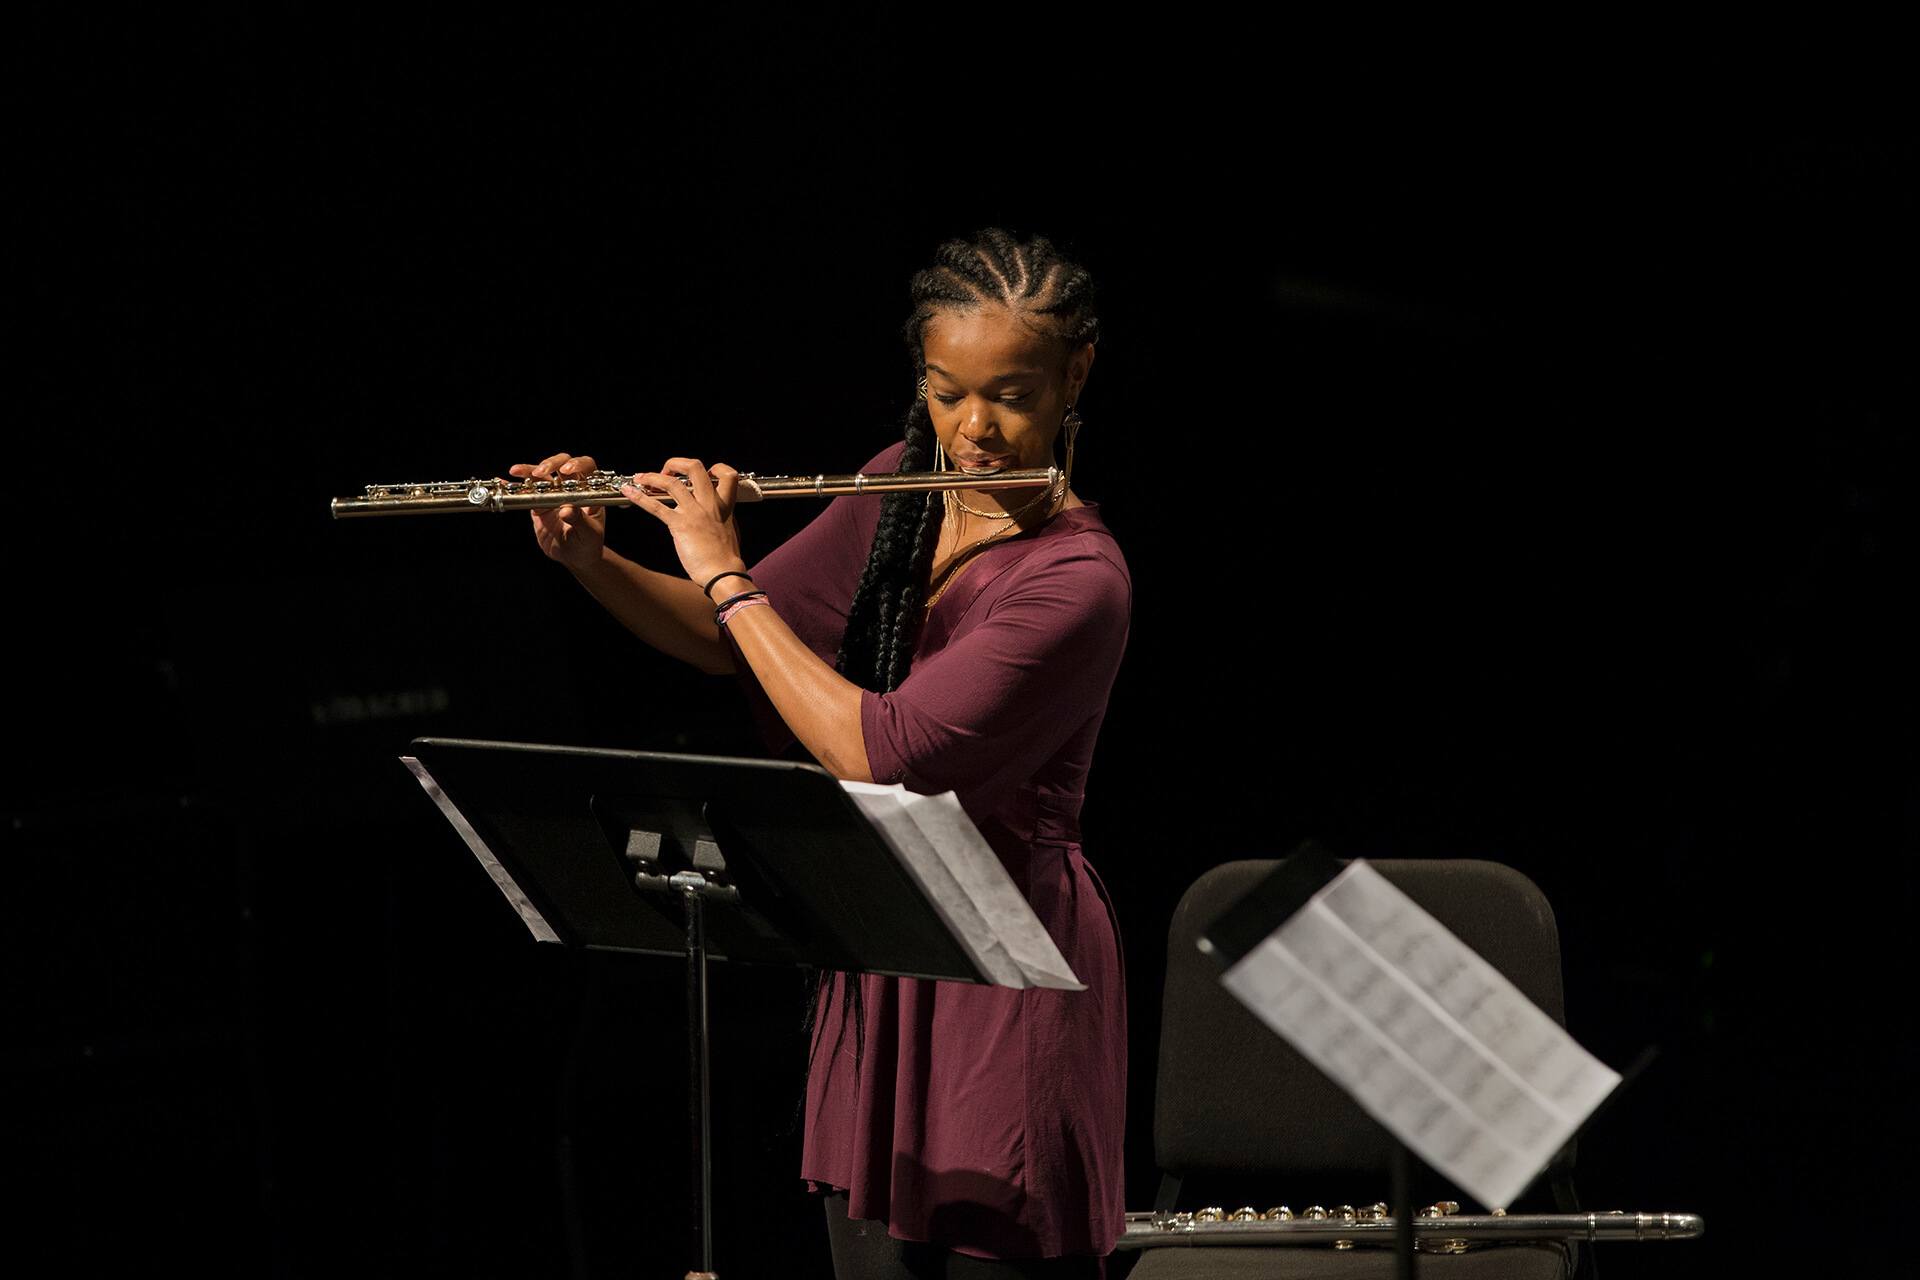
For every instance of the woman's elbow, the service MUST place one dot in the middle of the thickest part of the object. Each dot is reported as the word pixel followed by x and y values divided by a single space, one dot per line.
pixel 848 766
pixel 846 760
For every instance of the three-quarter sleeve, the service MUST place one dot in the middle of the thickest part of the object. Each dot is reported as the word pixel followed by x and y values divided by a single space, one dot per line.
pixel 1002 697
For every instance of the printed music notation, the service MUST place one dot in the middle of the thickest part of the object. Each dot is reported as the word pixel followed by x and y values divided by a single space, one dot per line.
pixel 1433 1041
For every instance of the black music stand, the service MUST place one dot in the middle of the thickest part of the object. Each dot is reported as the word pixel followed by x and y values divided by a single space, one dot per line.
pixel 770 862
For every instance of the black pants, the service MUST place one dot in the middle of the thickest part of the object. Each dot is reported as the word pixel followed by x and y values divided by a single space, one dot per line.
pixel 863 1250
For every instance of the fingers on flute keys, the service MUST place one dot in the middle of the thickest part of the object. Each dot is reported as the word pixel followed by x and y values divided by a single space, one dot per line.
pixel 558 466
pixel 726 483
pixel 688 481
pixel 699 483
pixel 637 487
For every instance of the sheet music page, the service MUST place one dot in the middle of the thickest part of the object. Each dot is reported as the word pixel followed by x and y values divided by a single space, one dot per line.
pixel 903 835
pixel 1433 1041
pixel 970 888
pixel 984 878
pixel 511 891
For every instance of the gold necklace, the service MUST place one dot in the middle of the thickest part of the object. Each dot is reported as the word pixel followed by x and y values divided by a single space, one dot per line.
pixel 954 502
pixel 960 558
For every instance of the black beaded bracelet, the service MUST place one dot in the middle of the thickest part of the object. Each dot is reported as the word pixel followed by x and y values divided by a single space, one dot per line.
pixel 707 590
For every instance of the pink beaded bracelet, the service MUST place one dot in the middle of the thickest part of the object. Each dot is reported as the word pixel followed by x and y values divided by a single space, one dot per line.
pixel 744 601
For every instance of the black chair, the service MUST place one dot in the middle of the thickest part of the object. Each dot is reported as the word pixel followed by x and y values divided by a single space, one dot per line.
pixel 1239 1115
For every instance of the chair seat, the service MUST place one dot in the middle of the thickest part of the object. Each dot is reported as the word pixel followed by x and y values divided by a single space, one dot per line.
pixel 1532 1260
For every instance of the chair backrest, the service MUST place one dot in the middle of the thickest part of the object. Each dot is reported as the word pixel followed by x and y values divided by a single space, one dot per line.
pixel 1232 1097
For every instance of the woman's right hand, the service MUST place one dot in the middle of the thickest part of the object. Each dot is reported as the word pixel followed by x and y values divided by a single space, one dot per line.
pixel 574 536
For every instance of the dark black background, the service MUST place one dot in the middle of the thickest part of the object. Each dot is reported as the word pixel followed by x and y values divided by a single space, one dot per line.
pixel 1509 448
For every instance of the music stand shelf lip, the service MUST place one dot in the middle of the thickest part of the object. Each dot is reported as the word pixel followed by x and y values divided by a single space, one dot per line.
pixel 623 753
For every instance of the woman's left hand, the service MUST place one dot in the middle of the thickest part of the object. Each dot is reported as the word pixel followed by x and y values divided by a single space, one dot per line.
pixel 701 519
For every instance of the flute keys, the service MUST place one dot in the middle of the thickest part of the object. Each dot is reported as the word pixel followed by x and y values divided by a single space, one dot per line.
pixel 1428 1244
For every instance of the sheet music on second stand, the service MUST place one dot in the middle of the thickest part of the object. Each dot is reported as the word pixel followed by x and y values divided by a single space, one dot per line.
pixel 1432 1040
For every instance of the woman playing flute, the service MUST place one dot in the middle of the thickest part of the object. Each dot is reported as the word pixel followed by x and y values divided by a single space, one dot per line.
pixel 963 641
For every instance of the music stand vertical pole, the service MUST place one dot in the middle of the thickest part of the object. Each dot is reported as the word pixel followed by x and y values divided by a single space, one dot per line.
pixel 1401 1181
pixel 699 1096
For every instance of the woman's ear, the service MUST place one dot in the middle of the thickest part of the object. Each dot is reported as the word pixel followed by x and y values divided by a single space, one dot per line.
pixel 1079 364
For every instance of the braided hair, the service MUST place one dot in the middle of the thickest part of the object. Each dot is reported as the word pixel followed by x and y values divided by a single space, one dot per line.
pixel 1032 279
pixel 1048 291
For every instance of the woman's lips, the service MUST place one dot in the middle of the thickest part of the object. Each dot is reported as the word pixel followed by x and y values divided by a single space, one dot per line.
pixel 989 463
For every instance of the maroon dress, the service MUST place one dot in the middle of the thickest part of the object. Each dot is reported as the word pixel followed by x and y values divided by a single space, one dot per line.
pixel 986 1120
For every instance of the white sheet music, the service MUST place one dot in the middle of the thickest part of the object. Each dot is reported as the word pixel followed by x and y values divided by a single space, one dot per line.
pixel 1432 1040
pixel 962 876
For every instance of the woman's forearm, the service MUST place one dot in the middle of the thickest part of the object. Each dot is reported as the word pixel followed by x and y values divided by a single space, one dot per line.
pixel 665 610
pixel 820 706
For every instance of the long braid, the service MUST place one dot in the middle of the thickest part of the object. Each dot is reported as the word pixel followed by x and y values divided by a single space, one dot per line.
pixel 881 624
pixel 1029 277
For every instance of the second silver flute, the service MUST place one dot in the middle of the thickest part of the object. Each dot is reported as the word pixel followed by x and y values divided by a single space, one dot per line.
pixel 602 489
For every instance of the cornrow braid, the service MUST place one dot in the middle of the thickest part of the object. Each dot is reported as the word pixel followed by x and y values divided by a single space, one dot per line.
pixel 1029 276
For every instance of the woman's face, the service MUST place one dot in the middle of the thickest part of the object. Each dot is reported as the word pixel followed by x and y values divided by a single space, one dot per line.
pixel 996 389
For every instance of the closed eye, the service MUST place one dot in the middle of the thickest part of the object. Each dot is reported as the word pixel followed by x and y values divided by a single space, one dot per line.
pixel 1020 398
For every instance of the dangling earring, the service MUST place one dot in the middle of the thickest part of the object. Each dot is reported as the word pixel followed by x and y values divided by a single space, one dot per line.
pixel 1070 428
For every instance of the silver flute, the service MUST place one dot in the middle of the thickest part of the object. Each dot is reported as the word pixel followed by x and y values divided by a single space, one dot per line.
pixel 602 489
pixel 1439 1229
